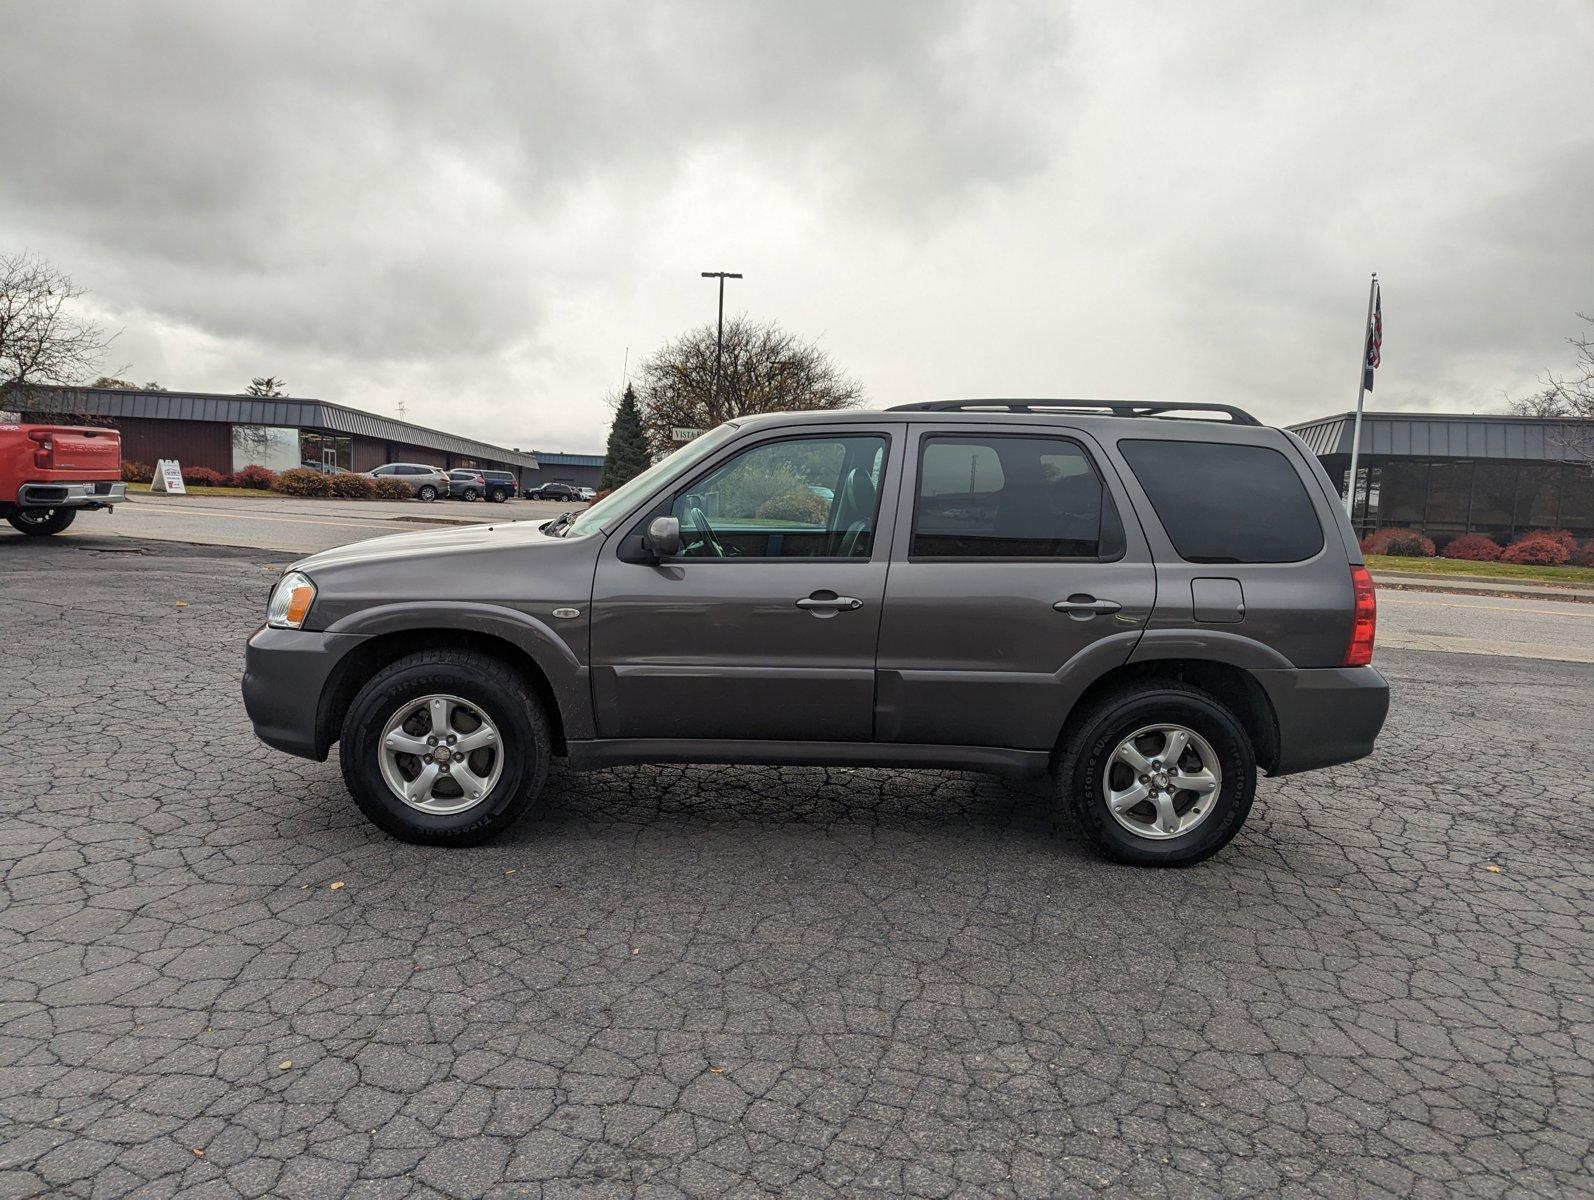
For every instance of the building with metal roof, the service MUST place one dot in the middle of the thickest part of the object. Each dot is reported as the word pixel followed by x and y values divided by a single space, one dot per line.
pixel 583 470
pixel 227 433
pixel 1452 473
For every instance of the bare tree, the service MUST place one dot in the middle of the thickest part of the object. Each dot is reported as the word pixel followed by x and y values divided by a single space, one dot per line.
pixel 266 385
pixel 42 338
pixel 1568 400
pixel 762 369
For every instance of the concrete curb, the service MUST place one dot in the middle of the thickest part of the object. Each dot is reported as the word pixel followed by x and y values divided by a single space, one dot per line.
pixel 1483 587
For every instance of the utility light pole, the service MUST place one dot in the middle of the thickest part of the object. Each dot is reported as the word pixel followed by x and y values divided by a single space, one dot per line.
pixel 719 342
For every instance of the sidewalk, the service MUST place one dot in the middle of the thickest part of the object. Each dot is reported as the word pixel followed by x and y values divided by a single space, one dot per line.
pixel 1521 589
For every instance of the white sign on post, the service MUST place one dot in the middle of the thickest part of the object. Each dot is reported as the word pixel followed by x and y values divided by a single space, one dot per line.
pixel 168 478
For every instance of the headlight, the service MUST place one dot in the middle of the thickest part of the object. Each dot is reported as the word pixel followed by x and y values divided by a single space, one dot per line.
pixel 290 601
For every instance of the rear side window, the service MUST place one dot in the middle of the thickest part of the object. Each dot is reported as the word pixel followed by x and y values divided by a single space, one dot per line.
pixel 1222 503
pixel 997 496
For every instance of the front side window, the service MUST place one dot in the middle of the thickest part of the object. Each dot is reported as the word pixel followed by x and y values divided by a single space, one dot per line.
pixel 1018 496
pixel 1226 503
pixel 798 498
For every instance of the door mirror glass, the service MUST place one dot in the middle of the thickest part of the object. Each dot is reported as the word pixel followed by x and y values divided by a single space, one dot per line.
pixel 663 538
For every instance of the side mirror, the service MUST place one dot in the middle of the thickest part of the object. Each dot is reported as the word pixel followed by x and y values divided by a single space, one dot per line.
pixel 663 538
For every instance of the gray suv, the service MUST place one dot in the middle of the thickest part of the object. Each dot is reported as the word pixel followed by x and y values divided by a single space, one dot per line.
pixel 1148 602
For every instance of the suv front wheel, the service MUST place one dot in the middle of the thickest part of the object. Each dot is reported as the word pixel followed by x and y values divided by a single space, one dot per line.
pixel 1160 774
pixel 445 748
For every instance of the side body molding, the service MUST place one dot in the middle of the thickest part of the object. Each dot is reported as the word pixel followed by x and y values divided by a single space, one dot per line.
pixel 562 665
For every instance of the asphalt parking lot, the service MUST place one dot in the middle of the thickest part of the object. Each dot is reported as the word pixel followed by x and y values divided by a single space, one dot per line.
pixel 217 980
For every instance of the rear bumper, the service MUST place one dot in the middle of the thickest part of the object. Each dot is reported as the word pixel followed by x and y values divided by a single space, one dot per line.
pixel 1325 717
pixel 96 494
pixel 285 678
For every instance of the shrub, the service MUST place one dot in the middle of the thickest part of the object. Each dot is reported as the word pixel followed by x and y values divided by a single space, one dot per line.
pixel 391 489
pixel 1583 556
pixel 1539 551
pixel 801 506
pixel 1402 543
pixel 301 481
pixel 254 476
pixel 1561 536
pixel 133 472
pixel 1473 547
pixel 352 487
pixel 202 477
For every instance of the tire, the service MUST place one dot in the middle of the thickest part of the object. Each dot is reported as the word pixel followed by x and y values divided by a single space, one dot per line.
pixel 41 522
pixel 479 681
pixel 469 494
pixel 1088 767
pixel 498 496
pixel 426 492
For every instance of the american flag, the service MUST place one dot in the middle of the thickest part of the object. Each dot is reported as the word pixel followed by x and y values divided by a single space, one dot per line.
pixel 1375 336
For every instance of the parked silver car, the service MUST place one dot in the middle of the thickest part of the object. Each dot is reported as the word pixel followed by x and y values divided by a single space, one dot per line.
pixel 426 482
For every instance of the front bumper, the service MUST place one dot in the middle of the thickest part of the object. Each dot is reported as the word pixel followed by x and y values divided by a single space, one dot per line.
pixel 98 494
pixel 1325 717
pixel 286 672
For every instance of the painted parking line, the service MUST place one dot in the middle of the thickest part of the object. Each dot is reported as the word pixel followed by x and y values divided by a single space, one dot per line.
pixel 268 519
pixel 1572 609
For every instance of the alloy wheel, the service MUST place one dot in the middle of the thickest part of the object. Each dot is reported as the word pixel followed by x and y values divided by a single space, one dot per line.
pixel 1162 781
pixel 440 754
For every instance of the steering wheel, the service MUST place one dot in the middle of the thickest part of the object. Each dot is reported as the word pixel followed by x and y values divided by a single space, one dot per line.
pixel 700 526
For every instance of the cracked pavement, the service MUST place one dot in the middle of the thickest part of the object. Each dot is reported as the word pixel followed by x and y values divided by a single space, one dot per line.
pixel 754 981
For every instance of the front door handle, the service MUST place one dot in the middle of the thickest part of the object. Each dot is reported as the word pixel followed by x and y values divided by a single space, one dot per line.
pixel 823 604
pixel 1081 605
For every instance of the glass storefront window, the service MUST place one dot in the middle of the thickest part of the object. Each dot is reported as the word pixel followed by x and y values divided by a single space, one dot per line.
pixel 271 446
pixel 321 450
pixel 1537 493
pixel 1493 491
pixel 1449 493
pixel 1577 499
pixel 1402 493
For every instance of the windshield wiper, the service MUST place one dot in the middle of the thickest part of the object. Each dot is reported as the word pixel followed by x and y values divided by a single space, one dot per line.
pixel 563 519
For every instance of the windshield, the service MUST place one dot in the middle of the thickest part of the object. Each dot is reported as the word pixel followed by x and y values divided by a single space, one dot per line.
pixel 595 516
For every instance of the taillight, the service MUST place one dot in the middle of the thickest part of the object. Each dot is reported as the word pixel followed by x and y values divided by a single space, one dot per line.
pixel 41 456
pixel 1364 617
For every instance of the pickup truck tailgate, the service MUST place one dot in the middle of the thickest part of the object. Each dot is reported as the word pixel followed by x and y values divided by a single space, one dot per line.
pixel 78 451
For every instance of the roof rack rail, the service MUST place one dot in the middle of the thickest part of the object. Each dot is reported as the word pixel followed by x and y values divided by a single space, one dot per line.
pixel 1116 408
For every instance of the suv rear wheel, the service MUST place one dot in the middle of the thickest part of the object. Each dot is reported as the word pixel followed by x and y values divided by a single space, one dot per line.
pixel 445 748
pixel 41 522
pixel 426 492
pixel 498 495
pixel 1160 774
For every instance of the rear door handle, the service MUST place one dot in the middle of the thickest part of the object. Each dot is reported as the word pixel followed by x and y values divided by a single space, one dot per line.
pixel 823 605
pixel 1086 606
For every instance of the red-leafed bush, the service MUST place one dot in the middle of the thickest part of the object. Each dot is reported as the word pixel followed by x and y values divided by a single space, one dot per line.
pixel 254 476
pixel 352 487
pixel 1562 536
pixel 1537 551
pixel 1402 543
pixel 202 477
pixel 301 481
pixel 392 489
pixel 1473 547
pixel 133 472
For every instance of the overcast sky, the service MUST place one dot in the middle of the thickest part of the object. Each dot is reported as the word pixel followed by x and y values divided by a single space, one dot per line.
pixel 477 208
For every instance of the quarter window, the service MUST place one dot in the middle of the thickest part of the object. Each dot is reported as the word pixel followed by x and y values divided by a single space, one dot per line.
pixel 799 498
pixel 1223 503
pixel 1011 497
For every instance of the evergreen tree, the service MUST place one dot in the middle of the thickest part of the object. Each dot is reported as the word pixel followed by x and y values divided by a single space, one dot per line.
pixel 627 455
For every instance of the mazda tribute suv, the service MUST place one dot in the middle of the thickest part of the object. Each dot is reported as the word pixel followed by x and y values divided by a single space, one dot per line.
pixel 1148 602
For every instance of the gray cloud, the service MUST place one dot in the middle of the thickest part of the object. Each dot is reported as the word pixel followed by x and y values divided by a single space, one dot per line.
pixel 478 207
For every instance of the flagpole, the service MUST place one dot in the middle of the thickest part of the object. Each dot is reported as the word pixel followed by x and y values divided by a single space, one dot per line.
pixel 1361 393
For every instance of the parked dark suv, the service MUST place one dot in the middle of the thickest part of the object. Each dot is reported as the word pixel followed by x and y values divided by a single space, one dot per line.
pixel 555 491
pixel 500 485
pixel 1147 601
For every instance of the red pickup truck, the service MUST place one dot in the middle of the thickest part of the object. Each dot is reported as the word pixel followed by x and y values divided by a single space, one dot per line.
pixel 48 472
